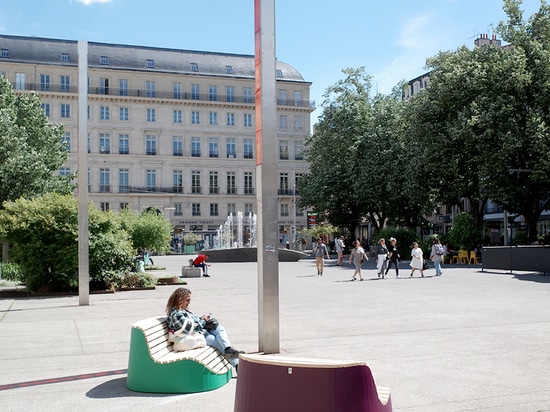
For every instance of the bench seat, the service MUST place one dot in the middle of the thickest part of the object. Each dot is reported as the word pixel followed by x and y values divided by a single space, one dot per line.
pixel 275 383
pixel 153 365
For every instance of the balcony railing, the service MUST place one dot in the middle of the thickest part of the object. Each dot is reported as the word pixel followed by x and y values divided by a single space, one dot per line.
pixel 161 94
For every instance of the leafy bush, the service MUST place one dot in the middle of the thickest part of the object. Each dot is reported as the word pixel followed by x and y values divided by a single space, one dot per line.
pixel 12 272
pixel 148 230
pixel 116 281
pixel 464 233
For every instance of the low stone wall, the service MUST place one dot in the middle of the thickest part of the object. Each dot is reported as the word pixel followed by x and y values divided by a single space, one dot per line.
pixel 533 258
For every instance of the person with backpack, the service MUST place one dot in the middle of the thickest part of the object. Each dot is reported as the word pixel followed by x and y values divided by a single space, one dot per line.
pixel 436 255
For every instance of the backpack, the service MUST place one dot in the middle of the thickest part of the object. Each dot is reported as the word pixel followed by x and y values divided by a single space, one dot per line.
pixel 439 249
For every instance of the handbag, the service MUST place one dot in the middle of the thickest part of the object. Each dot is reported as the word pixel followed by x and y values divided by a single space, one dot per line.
pixel 211 324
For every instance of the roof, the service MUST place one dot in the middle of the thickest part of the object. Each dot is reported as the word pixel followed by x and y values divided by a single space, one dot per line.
pixel 36 50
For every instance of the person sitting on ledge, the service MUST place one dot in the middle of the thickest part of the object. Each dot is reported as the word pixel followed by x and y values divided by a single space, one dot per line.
pixel 200 262
pixel 180 317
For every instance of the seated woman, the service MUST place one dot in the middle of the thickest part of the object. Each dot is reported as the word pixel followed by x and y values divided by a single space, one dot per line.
pixel 179 317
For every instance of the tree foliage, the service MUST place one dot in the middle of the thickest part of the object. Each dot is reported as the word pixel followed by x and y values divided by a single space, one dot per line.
pixel 31 148
pixel 148 230
pixel 44 235
pixel 356 158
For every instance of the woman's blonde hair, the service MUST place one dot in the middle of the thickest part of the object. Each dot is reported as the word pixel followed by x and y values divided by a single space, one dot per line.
pixel 177 299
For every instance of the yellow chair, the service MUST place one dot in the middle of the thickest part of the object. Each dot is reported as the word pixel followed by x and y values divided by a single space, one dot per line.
pixel 473 257
pixel 462 256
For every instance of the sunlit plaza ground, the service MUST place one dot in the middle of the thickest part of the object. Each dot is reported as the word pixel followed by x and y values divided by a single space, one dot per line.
pixel 466 341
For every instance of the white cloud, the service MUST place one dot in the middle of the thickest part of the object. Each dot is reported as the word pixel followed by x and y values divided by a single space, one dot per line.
pixel 88 2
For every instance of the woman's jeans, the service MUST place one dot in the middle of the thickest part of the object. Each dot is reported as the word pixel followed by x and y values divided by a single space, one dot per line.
pixel 218 338
pixel 437 264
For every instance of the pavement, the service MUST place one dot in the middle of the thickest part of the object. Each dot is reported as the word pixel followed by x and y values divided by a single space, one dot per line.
pixel 469 340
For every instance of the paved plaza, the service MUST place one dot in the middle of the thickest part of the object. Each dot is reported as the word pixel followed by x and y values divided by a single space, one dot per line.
pixel 466 341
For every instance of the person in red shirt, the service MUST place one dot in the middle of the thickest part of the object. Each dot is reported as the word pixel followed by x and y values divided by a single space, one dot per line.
pixel 200 262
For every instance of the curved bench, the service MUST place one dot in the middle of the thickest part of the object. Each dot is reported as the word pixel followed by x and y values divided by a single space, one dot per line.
pixel 275 383
pixel 153 366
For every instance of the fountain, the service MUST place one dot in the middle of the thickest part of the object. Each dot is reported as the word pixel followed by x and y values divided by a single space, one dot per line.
pixel 237 242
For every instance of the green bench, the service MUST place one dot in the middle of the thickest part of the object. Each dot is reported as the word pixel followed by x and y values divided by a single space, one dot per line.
pixel 153 365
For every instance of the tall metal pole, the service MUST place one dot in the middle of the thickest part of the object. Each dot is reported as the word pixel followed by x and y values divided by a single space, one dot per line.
pixel 266 177
pixel 83 253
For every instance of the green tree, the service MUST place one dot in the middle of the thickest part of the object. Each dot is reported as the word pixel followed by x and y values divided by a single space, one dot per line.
pixel 465 234
pixel 148 230
pixel 31 148
pixel 44 234
pixel 356 158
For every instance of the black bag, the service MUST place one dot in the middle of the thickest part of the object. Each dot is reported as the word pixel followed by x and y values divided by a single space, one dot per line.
pixel 426 264
pixel 211 324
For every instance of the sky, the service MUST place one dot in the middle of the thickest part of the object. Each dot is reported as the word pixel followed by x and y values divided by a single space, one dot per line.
pixel 320 38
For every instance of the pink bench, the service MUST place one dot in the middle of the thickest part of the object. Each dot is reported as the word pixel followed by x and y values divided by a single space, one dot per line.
pixel 275 383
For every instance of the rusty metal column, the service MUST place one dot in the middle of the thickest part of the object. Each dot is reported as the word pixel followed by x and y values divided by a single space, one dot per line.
pixel 83 252
pixel 266 177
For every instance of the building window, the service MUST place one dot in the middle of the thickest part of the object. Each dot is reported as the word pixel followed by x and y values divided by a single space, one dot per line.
pixel 298 150
pixel 104 180
pixel 123 205
pixel 177 181
pixel 103 86
pixel 284 210
pixel 248 151
pixel 195 91
pixel 66 140
pixel 150 63
pixel 283 184
pixel 104 113
pixel 213 183
pixel 298 122
pixel 283 122
pixel 151 115
pixel 195 181
pixel 231 147
pixel 5 53
pixel 123 87
pixel 194 67
pixel 45 82
pixel 213 209
pixel 123 186
pixel 278 73
pixel 151 144
pixel 248 208
pixel 247 120
pixel 231 209
pixel 178 211
pixel 65 57
pixel 212 93
pixel 248 183
pixel 213 149
pixel 297 98
pixel 177 116
pixel 230 94
pixel 229 69
pixel 65 83
pixel 231 183
pixel 213 118
pixel 65 110
pixel 177 91
pixel 64 171
pixel 247 95
pixel 196 209
pixel 195 118
pixel 104 206
pixel 177 146
pixel 104 143
pixel 20 82
pixel 123 144
pixel 195 147
pixel 103 60
pixel 150 89
pixel 46 109
pixel 123 113
pixel 151 179
pixel 283 150
pixel 231 119
pixel 282 97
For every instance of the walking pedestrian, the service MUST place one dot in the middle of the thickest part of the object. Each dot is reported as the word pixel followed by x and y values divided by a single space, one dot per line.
pixel 381 257
pixel 358 255
pixel 339 244
pixel 417 261
pixel 320 251
pixel 393 257
pixel 436 256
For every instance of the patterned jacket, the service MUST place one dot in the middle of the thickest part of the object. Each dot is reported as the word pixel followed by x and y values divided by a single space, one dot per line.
pixel 181 318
